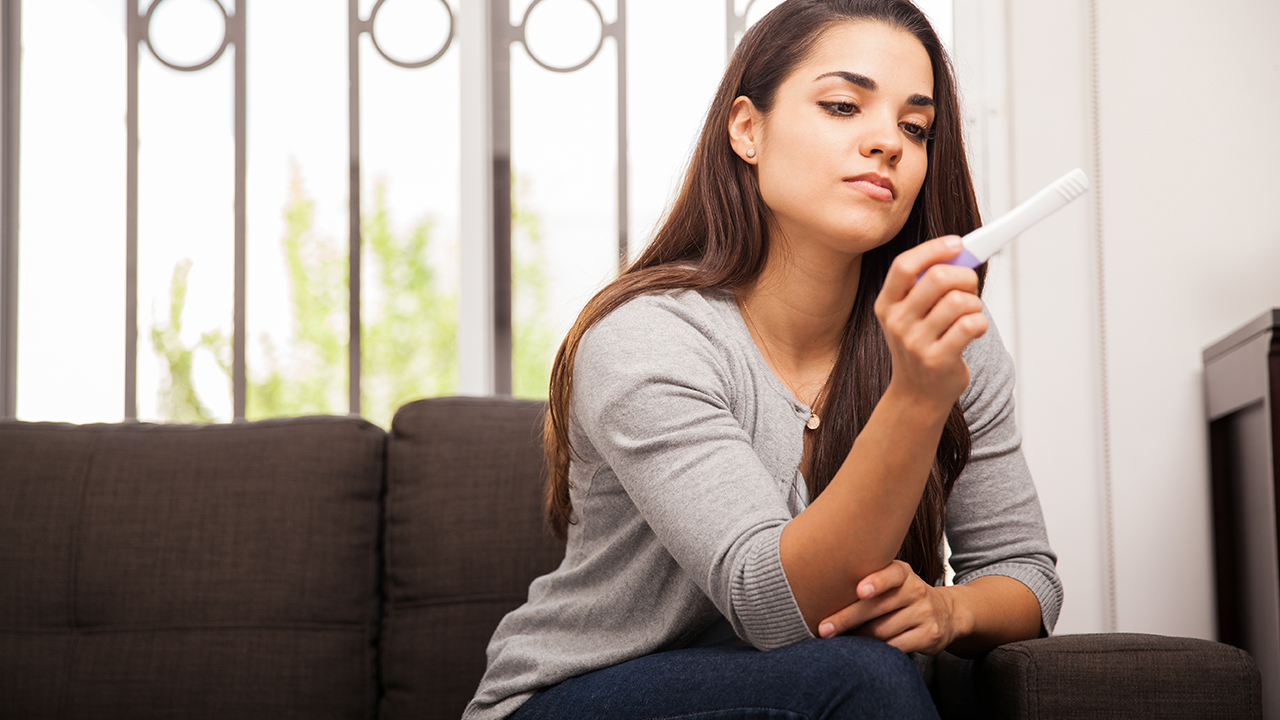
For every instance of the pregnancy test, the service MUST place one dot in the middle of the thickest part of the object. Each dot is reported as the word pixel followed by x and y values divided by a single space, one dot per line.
pixel 987 240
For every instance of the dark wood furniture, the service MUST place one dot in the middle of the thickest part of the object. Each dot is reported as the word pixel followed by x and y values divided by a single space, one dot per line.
pixel 1242 405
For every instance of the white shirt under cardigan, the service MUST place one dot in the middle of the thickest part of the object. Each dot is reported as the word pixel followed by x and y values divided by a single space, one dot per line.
pixel 687 471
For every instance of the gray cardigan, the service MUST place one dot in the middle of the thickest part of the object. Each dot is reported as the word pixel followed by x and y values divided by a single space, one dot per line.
pixel 688 449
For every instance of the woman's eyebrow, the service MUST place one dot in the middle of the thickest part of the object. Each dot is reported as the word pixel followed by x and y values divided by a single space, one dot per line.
pixel 861 81
pixel 867 83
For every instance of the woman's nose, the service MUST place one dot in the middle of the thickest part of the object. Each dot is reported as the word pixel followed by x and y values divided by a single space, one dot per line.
pixel 881 137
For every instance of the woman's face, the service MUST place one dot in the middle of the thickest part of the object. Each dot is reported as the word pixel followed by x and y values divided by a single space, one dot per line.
pixel 842 154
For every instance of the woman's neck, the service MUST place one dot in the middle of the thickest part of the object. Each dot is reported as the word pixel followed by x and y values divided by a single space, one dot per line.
pixel 801 304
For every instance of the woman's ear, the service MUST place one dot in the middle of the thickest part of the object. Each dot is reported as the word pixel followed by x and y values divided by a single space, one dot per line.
pixel 744 126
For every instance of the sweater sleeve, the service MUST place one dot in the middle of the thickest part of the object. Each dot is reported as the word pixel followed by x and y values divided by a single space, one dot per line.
pixel 994 522
pixel 651 394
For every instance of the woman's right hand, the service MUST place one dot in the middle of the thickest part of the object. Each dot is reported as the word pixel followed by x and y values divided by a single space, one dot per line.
pixel 856 526
pixel 927 322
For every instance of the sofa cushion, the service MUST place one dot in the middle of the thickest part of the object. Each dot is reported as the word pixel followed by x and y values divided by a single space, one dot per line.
pixel 464 538
pixel 1118 675
pixel 190 571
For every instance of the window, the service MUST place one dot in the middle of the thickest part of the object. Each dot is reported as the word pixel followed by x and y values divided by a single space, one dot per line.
pixel 262 126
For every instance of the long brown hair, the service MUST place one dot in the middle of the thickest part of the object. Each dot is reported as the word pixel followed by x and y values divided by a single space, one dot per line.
pixel 716 236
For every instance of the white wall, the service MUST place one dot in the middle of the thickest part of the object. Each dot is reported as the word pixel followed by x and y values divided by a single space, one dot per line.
pixel 1193 251
pixel 1190 250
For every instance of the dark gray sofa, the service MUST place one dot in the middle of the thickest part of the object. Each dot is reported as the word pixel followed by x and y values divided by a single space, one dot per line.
pixel 319 567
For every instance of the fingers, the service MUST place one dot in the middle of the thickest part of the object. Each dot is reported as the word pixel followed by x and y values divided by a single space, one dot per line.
pixel 891 625
pixel 859 613
pixel 954 312
pixel 845 620
pixel 929 312
pixel 894 605
pixel 921 311
pixel 875 598
pixel 926 295
pixel 891 576
pixel 940 282
pixel 944 334
pixel 963 330
pixel 917 640
pixel 908 266
pixel 912 628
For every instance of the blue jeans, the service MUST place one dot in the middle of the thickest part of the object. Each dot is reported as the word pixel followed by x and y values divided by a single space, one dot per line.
pixel 840 677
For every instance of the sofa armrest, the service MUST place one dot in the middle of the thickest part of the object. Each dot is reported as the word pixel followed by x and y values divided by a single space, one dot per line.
pixel 1114 675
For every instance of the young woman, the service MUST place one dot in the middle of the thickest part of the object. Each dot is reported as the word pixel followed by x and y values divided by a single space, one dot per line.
pixel 758 434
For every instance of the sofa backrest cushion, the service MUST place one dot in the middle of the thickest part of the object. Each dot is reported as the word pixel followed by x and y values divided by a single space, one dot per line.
pixel 464 538
pixel 190 571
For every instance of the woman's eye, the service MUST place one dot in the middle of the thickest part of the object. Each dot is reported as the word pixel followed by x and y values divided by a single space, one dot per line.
pixel 839 108
pixel 917 132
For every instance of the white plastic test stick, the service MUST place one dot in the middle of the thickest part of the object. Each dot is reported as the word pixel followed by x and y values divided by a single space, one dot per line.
pixel 987 240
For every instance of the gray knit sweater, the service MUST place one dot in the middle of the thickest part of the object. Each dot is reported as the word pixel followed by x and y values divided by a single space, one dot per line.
pixel 689 448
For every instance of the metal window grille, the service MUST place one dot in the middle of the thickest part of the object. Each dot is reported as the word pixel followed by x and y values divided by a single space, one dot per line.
pixel 501 35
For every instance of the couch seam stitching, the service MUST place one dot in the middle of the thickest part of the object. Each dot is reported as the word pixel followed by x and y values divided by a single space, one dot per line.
pixel 1030 701
pixel 73 560
pixel 379 550
pixel 387 602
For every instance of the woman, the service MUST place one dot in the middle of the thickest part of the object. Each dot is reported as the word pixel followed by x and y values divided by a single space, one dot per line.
pixel 756 434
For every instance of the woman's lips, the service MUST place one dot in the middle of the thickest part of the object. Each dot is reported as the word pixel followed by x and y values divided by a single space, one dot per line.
pixel 876 187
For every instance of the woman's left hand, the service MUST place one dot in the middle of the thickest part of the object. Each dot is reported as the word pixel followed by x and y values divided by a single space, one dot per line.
pixel 896 606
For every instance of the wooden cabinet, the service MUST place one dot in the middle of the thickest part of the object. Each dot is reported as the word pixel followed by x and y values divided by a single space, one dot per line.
pixel 1242 402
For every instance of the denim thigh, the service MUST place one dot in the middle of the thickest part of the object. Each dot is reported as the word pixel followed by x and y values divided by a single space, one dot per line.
pixel 833 678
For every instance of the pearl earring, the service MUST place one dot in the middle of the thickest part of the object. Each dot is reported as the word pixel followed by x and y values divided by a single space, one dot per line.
pixel 751 152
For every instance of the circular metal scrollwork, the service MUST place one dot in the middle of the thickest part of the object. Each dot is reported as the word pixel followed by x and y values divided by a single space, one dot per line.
pixel 524 22
pixel 222 47
pixel 448 40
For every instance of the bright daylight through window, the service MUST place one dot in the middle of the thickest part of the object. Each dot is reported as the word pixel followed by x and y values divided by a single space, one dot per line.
pixel 73 360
